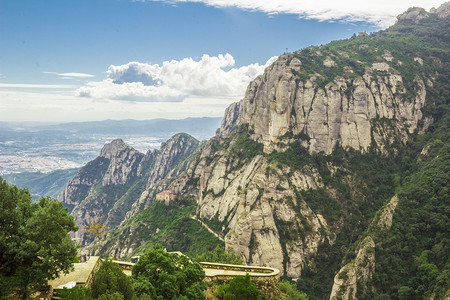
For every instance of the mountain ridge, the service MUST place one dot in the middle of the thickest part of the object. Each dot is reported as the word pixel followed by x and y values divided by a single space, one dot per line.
pixel 303 173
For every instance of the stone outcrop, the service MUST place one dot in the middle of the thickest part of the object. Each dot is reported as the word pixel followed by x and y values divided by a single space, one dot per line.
pixel 363 266
pixel 174 151
pixel 360 269
pixel 123 162
pixel 341 113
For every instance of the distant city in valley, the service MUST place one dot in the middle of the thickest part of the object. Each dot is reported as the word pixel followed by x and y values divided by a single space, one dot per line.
pixel 46 148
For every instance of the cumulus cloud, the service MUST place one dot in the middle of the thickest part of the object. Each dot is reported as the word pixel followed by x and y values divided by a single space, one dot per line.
pixel 175 80
pixel 381 13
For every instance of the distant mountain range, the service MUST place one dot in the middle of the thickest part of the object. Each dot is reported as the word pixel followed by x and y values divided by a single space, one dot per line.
pixel 201 128
pixel 34 147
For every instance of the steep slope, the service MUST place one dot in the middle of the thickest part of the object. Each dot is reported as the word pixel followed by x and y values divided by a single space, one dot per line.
pixel 107 186
pixel 303 173
pixel 319 144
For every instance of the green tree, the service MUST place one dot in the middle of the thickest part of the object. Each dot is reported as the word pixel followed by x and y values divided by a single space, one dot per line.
pixel 110 280
pixel 219 255
pixel 239 288
pixel 289 292
pixel 34 242
pixel 163 275
pixel 75 293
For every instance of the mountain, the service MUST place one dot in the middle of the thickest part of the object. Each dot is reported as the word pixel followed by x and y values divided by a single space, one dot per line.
pixel 108 186
pixel 333 168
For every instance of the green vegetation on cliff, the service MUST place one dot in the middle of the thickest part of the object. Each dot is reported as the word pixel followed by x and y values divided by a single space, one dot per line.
pixel 170 225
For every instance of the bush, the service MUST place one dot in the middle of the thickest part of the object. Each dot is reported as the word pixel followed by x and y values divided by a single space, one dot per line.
pixel 163 275
pixel 238 288
pixel 110 280
pixel 289 292
pixel 75 293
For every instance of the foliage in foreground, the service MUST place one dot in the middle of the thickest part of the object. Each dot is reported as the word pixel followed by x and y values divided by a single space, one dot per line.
pixel 110 280
pixel 238 288
pixel 34 242
pixel 75 293
pixel 163 275
pixel 289 292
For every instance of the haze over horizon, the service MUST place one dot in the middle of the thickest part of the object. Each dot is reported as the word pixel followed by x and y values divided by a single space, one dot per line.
pixel 64 61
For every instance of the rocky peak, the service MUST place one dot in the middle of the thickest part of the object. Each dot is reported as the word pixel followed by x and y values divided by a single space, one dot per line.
pixel 230 120
pixel 176 149
pixel 112 149
pixel 124 160
pixel 442 11
pixel 413 13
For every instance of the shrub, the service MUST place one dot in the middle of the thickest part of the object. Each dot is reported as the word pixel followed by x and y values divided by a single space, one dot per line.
pixel 238 288
pixel 109 280
pixel 289 292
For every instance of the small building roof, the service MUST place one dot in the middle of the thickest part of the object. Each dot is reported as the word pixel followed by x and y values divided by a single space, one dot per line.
pixel 79 275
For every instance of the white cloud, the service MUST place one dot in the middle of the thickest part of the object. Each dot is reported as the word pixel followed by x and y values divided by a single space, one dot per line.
pixel 381 13
pixel 211 76
pixel 36 86
pixel 71 75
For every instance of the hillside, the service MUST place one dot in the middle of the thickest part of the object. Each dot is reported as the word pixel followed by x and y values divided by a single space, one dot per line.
pixel 42 184
pixel 333 168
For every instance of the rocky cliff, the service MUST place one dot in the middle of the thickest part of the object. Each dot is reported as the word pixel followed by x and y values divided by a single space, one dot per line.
pixel 108 186
pixel 302 174
pixel 302 164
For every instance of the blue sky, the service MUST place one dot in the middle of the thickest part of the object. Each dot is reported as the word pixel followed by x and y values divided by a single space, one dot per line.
pixel 97 59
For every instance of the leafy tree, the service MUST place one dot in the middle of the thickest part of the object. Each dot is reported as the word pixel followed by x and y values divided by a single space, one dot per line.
pixel 219 255
pixel 96 229
pixel 289 292
pixel 111 296
pixel 163 275
pixel 239 287
pixel 34 242
pixel 75 293
pixel 110 280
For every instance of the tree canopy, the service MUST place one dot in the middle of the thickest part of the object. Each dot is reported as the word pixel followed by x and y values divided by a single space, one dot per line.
pixel 110 280
pixel 34 242
pixel 239 287
pixel 220 255
pixel 163 275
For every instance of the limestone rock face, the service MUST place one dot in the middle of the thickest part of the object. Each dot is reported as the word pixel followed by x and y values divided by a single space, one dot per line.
pixel 363 266
pixel 342 112
pixel 123 162
pixel 174 151
pixel 414 13
pixel 230 119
